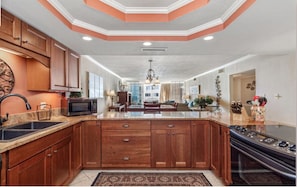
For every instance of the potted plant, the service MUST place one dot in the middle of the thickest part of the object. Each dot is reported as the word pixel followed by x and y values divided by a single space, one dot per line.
pixel 203 101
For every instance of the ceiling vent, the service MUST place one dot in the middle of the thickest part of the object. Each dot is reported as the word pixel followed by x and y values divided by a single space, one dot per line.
pixel 154 49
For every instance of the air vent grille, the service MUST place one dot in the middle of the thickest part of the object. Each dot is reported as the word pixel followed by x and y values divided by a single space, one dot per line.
pixel 154 49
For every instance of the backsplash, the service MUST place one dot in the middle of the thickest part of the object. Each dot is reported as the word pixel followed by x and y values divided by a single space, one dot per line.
pixel 27 116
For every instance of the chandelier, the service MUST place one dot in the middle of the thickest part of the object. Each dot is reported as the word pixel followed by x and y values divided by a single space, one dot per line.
pixel 151 76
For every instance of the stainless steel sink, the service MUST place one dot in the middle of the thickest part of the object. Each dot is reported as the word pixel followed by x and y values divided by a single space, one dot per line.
pixel 20 130
pixel 35 125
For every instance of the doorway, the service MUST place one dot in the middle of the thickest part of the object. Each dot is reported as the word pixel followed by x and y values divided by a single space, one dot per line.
pixel 243 87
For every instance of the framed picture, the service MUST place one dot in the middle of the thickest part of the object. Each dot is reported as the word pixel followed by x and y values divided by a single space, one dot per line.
pixel 193 90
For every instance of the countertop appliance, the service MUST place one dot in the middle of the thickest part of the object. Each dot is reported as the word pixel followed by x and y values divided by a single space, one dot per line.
pixel 78 106
pixel 263 155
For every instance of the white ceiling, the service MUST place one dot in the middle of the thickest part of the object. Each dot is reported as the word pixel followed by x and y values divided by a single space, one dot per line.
pixel 266 27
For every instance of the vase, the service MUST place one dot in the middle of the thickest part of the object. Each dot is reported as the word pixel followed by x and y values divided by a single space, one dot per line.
pixel 202 106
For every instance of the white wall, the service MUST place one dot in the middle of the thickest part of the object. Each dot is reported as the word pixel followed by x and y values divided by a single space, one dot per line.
pixel 275 74
pixel 110 82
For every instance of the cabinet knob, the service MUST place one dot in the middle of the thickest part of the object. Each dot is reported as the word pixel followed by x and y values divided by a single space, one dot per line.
pixel 126 158
pixel 126 140
pixel 16 38
pixel 126 126
pixel 55 151
pixel 170 126
pixel 49 155
pixel 25 41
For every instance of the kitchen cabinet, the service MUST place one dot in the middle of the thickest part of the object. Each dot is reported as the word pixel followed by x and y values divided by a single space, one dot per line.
pixel 126 144
pixel 77 148
pixel 221 152
pixel 46 161
pixel 73 71
pixel 35 40
pixel 91 135
pixel 60 160
pixel 171 144
pixel 15 31
pixel 10 28
pixel 226 155
pixel 65 67
pixel 215 148
pixel 200 130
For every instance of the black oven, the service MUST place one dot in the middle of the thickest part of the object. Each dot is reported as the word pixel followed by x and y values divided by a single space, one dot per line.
pixel 78 106
pixel 263 155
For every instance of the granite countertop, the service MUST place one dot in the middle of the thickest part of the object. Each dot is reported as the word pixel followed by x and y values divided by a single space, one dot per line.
pixel 223 119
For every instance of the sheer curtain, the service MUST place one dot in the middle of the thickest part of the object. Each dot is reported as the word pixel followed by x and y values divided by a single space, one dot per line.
pixel 164 93
pixel 171 91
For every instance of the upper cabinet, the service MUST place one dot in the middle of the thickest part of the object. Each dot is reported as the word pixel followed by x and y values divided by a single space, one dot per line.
pixel 64 71
pixel 73 71
pixel 35 40
pixel 20 33
pixel 10 28
pixel 56 66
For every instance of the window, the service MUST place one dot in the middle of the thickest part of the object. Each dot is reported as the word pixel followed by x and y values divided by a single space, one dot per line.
pixel 136 93
pixel 95 86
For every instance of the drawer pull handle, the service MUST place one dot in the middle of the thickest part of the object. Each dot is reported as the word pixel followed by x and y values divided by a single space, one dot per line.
pixel 25 41
pixel 49 155
pixel 126 140
pixel 55 151
pixel 126 158
pixel 126 126
pixel 16 38
pixel 170 126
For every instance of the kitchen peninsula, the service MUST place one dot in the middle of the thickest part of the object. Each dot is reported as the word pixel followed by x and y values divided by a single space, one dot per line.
pixel 167 140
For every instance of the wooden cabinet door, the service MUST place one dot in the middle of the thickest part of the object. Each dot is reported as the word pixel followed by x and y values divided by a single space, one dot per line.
pixel 161 151
pixel 200 144
pixel 171 144
pixel 91 144
pixel 10 28
pixel 35 40
pixel 30 172
pixel 59 66
pixel 73 71
pixel 61 162
pixel 226 156
pixel 77 149
pixel 215 152
pixel 180 144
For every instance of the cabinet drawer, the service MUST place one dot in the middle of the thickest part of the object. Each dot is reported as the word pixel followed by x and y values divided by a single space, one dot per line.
pixel 122 143
pixel 126 133
pixel 126 125
pixel 171 124
pixel 126 159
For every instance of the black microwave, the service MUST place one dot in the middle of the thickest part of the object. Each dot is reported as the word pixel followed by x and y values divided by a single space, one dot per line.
pixel 78 106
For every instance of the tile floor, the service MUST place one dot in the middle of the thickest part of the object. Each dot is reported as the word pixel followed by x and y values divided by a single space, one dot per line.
pixel 86 177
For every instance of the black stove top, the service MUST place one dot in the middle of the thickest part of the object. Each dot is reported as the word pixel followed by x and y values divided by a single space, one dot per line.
pixel 277 138
pixel 283 132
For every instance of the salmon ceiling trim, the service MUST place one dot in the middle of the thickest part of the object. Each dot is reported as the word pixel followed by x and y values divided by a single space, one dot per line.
pixel 219 24
pixel 149 14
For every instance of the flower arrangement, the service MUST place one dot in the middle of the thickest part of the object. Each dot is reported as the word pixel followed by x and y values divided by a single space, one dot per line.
pixel 203 101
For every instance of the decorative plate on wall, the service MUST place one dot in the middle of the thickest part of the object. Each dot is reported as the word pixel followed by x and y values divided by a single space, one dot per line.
pixel 6 79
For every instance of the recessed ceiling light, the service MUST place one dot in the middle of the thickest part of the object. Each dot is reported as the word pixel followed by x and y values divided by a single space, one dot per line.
pixel 147 43
pixel 208 38
pixel 87 38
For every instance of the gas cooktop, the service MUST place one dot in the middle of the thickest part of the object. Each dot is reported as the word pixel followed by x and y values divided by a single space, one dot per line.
pixel 277 138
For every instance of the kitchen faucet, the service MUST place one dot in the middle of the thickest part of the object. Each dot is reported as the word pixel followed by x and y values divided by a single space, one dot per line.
pixel 3 119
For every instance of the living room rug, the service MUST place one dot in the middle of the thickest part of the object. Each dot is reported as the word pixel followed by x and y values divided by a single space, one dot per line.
pixel 150 179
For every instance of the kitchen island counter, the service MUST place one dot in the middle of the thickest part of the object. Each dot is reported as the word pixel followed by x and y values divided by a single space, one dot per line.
pixel 223 119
